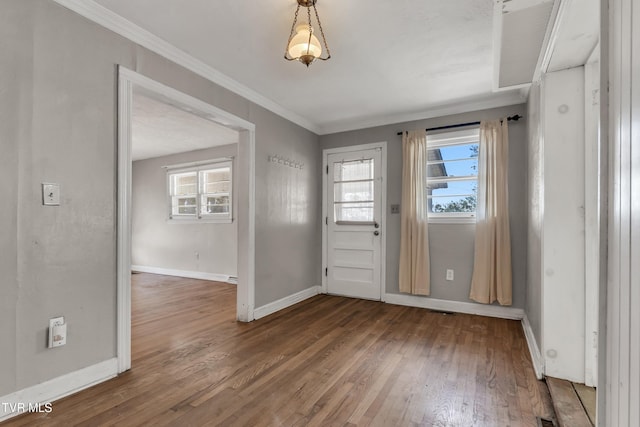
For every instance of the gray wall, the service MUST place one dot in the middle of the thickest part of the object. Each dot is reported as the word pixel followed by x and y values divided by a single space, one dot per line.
pixel 155 242
pixel 58 109
pixel 535 209
pixel 451 245
pixel 16 76
pixel 288 210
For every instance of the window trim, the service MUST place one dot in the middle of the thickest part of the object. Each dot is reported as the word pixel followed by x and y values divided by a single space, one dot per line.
pixel 199 167
pixel 447 139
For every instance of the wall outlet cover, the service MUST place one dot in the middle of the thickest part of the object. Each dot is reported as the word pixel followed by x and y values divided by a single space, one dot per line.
pixel 57 332
pixel 449 274
pixel 59 337
pixel 50 194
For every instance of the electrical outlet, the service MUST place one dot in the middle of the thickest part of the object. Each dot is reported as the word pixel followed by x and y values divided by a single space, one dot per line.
pixel 57 332
pixel 449 274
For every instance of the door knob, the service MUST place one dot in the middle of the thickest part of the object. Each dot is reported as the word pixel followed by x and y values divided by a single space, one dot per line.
pixel 376 225
pixel 375 233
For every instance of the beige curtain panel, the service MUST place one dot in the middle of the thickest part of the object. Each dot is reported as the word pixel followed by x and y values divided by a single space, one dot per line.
pixel 491 279
pixel 414 237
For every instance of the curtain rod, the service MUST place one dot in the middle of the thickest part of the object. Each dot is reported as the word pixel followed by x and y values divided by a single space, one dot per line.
pixel 459 125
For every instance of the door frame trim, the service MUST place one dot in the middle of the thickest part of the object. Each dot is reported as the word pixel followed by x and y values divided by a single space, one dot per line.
pixel 383 220
pixel 245 183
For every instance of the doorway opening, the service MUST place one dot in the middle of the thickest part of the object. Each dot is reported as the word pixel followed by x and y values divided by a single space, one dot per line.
pixel 354 238
pixel 238 205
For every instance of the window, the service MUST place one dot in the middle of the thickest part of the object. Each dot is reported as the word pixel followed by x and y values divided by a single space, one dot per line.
pixel 452 175
pixel 353 191
pixel 201 192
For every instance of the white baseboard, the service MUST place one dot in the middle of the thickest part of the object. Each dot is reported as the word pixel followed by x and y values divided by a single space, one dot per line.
pixel 285 302
pixel 59 387
pixel 536 356
pixel 183 273
pixel 455 306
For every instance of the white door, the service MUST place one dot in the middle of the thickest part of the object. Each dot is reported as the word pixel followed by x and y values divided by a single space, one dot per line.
pixel 354 223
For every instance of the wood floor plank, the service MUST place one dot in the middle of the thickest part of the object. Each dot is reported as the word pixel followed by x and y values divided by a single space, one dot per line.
pixel 568 408
pixel 587 397
pixel 326 361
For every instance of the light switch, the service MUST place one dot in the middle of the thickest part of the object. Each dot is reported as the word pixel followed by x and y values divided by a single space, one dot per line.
pixel 50 194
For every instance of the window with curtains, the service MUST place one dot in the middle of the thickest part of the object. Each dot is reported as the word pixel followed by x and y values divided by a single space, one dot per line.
pixel 452 175
pixel 201 193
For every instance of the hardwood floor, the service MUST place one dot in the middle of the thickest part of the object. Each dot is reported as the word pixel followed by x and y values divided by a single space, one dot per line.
pixel 326 361
pixel 570 410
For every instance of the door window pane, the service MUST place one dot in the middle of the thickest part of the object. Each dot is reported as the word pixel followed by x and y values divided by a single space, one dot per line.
pixel 353 170
pixel 357 211
pixel 353 191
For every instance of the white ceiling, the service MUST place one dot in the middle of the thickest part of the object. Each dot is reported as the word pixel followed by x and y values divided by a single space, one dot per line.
pixel 578 34
pixel 161 129
pixel 391 60
pixel 522 26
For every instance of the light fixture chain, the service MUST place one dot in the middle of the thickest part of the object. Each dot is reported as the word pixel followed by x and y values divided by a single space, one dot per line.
pixel 293 26
pixel 310 30
pixel 324 40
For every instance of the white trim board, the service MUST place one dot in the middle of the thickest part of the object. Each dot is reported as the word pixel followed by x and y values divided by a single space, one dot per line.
pixel 60 387
pixel 534 351
pixel 511 313
pixel 503 98
pixel 182 273
pixel 285 302
pixel 127 79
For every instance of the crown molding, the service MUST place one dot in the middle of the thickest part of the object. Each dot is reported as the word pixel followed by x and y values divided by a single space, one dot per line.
pixel 496 100
pixel 119 25
pixel 108 19
pixel 558 14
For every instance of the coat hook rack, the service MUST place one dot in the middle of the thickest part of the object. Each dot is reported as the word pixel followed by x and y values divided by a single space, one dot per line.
pixel 285 162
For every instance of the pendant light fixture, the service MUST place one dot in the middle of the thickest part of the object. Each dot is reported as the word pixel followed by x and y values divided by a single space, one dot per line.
pixel 304 46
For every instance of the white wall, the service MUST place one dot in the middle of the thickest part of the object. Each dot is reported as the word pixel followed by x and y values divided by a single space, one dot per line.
pixel 563 224
pixel 592 201
pixel 535 210
pixel 555 303
pixel 190 247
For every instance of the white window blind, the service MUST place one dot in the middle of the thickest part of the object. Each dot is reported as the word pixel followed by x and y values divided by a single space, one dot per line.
pixel 201 192
pixel 452 174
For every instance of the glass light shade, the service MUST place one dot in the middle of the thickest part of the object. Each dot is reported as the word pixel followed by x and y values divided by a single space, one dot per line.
pixel 301 45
